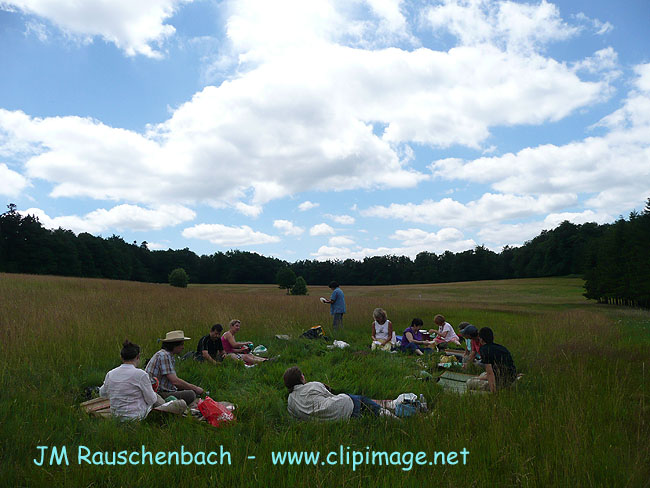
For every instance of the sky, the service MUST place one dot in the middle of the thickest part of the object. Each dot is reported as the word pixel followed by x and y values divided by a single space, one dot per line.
pixel 324 129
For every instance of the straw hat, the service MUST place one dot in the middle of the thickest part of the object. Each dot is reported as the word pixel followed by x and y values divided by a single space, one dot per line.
pixel 175 336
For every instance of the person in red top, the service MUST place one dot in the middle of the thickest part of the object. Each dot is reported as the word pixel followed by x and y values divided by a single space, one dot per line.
pixel 472 351
pixel 239 351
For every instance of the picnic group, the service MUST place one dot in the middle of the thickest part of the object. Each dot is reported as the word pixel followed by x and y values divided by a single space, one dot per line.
pixel 133 392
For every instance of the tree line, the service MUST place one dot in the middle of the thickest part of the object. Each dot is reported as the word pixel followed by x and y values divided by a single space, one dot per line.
pixel 618 268
pixel 613 258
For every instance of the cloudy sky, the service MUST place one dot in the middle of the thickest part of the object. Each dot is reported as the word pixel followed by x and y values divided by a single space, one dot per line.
pixel 324 129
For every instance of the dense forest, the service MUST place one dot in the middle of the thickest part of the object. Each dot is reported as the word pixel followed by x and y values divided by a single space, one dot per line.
pixel 618 266
pixel 613 258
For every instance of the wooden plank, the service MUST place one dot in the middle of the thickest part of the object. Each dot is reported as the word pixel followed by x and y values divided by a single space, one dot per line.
pixel 93 401
pixel 96 404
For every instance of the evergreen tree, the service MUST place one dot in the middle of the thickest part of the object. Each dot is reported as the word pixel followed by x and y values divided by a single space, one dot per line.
pixel 285 278
pixel 179 278
pixel 300 288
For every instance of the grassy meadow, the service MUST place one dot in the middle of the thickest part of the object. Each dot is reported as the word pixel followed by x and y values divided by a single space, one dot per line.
pixel 580 417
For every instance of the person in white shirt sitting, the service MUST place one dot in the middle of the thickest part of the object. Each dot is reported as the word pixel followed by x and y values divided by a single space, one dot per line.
pixel 383 336
pixel 129 388
pixel 445 333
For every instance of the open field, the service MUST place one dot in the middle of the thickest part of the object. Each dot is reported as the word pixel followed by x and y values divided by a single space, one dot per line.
pixel 580 417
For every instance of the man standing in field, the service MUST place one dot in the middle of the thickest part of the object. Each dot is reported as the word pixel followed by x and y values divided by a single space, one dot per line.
pixel 161 366
pixel 210 348
pixel 500 370
pixel 337 305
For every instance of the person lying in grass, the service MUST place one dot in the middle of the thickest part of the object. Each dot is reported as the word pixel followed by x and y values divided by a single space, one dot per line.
pixel 412 339
pixel 445 333
pixel 315 401
pixel 500 370
pixel 129 388
pixel 382 331
pixel 239 351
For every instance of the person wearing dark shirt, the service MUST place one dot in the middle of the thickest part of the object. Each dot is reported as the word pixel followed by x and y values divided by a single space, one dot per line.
pixel 500 369
pixel 210 348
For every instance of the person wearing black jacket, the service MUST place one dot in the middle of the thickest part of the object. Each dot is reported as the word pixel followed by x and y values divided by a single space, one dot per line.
pixel 210 348
pixel 500 369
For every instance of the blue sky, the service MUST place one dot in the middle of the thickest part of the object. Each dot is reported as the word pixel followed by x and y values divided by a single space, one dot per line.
pixel 324 130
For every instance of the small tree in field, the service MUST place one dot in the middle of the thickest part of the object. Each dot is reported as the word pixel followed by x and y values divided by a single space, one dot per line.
pixel 179 278
pixel 286 278
pixel 300 288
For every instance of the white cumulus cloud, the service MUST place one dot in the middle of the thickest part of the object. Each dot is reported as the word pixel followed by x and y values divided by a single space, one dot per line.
pixel 157 246
pixel 307 205
pixel 226 236
pixel 11 182
pixel 341 219
pixel 249 210
pixel 339 241
pixel 612 170
pixel 321 230
pixel 311 89
pixel 132 26
pixel 498 235
pixel 129 217
pixel 288 228
pixel 413 241
pixel 489 208
pixel 509 24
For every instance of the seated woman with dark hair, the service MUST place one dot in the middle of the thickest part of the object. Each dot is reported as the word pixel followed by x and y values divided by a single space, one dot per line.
pixel 413 340
pixel 239 351
pixel 129 388
pixel 314 400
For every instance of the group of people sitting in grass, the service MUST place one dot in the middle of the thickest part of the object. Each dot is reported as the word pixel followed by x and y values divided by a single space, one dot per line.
pixel 480 348
pixel 315 400
pixel 214 347
pixel 413 340
pixel 134 392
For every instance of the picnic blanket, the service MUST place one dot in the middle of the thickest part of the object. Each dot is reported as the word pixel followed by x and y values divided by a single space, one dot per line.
pixel 454 382
pixel 457 382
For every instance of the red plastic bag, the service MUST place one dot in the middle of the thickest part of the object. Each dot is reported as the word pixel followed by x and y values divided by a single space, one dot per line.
pixel 214 412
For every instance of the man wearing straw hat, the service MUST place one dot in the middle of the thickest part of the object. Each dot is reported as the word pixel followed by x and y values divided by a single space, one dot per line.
pixel 161 367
